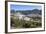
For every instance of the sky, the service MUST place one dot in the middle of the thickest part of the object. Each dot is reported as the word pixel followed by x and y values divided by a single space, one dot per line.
pixel 24 7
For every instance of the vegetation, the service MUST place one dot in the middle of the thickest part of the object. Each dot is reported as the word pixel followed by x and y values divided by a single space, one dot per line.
pixel 25 24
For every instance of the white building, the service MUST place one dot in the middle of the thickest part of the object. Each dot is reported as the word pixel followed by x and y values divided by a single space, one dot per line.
pixel 27 19
pixel 21 16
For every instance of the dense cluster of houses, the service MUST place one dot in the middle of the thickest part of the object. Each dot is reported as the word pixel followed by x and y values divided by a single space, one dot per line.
pixel 23 17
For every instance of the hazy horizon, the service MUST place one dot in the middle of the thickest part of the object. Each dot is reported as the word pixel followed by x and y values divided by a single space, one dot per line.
pixel 24 7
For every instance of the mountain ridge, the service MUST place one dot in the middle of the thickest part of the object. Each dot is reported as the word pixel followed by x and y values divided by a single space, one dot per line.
pixel 34 11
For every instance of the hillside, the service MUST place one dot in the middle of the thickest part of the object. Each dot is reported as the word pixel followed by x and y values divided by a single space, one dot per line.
pixel 26 18
pixel 25 12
